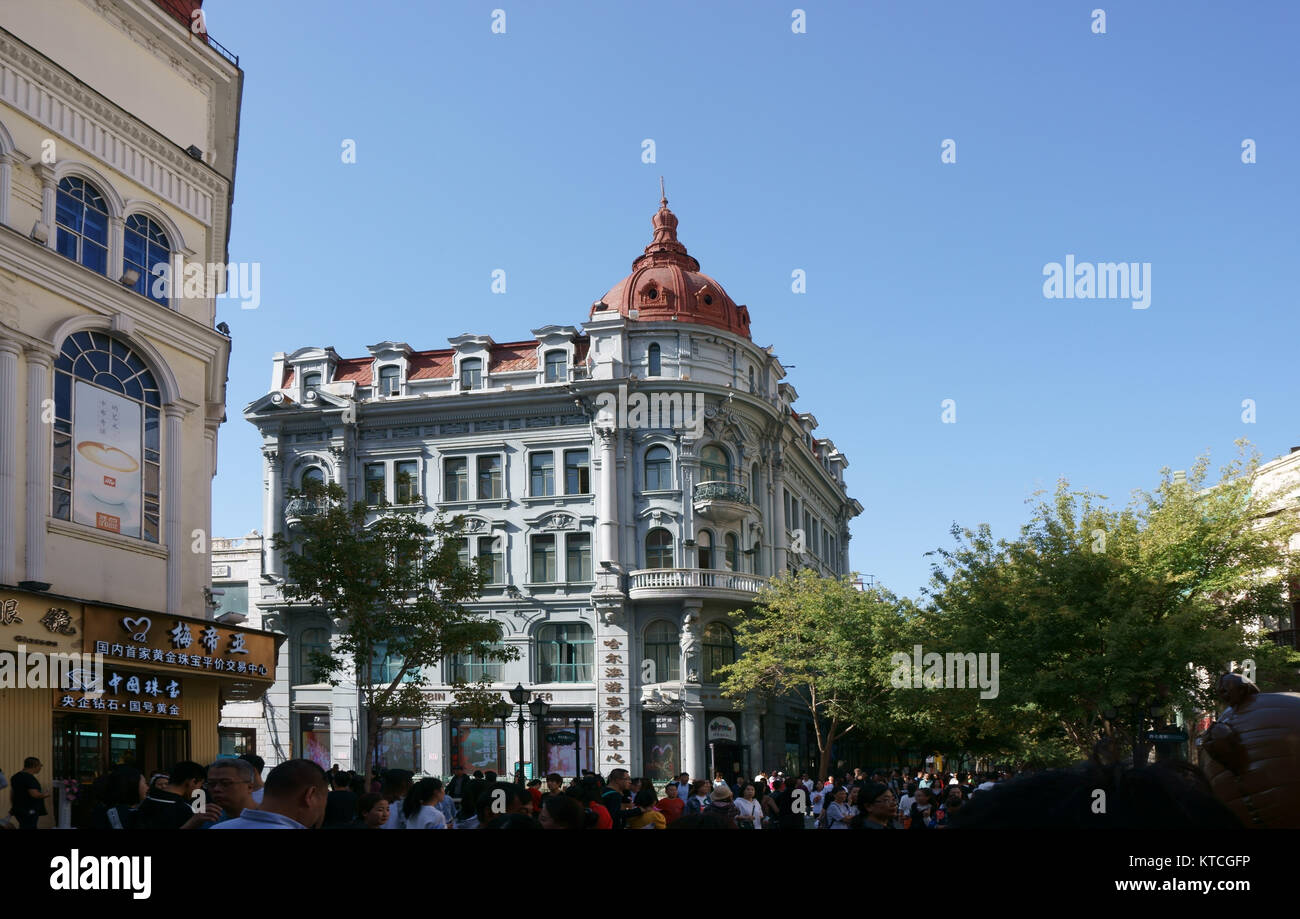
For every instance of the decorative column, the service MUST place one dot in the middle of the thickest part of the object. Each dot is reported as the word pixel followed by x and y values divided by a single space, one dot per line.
pixel 608 497
pixel 6 185
pixel 173 416
pixel 781 558
pixel 692 724
pixel 116 247
pixel 39 366
pixel 273 509
pixel 9 433
pixel 48 189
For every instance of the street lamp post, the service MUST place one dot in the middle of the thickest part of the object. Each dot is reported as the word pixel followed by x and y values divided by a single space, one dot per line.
pixel 538 708
pixel 524 699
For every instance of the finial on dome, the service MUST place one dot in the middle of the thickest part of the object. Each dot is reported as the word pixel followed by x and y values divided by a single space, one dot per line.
pixel 663 198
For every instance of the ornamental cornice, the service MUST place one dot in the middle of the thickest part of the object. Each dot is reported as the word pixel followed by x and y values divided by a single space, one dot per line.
pixel 107 132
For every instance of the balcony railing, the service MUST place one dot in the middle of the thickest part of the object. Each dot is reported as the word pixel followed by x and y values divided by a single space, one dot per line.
pixel 700 578
pixel 305 507
pixel 1284 637
pixel 721 491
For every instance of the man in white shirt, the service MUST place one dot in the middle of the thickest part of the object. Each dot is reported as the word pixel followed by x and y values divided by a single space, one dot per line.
pixel 296 792
pixel 258 765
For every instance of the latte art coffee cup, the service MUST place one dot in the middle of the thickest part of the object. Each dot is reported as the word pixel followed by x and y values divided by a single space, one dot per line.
pixel 111 480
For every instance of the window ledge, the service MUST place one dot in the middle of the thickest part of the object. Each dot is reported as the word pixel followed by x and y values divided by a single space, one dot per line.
pixel 103 537
pixel 531 500
pixel 473 505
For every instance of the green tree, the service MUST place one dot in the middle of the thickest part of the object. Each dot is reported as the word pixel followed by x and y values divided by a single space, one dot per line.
pixel 396 589
pixel 1099 612
pixel 820 640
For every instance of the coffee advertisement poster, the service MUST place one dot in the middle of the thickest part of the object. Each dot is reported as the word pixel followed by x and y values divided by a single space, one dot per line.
pixel 106 461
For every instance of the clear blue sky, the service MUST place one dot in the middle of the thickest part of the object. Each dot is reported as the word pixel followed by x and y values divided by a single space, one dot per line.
pixel 820 151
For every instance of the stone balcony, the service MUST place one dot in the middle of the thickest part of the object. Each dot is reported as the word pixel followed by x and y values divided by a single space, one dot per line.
pixel 722 502
pixel 694 583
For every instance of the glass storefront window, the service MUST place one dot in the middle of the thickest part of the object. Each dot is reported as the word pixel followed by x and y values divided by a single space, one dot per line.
pixel 476 746
pixel 235 742
pixel 314 738
pixel 398 748
pixel 662 747
pixel 568 743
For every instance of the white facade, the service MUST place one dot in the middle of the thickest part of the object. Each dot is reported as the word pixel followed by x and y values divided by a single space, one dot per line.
pixel 620 538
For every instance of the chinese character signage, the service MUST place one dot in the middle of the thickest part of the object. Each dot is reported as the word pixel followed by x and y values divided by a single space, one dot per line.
pixel 106 468
pixel 178 643
pixel 152 695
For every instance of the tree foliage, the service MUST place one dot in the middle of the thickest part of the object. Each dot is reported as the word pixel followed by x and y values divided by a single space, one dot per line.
pixel 1096 611
pixel 396 590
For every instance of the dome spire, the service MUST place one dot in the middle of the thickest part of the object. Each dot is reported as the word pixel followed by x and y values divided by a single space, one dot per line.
pixel 665 243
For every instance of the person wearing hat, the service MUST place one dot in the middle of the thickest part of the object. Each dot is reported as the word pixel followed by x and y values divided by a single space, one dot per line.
pixel 722 807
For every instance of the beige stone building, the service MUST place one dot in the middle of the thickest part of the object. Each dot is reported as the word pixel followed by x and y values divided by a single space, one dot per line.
pixel 118 134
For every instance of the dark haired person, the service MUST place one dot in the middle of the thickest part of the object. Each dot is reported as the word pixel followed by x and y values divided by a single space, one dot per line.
pixel 27 796
pixel 419 810
pixel 372 812
pixel 397 783
pixel 341 806
pixel 923 814
pixel 614 797
pixel 749 809
pixel 119 793
pixel 170 808
pixel 876 809
pixel 504 800
pixel 456 787
pixel 294 799
pixel 671 805
pixel 562 812
pixel 258 765
pixel 229 785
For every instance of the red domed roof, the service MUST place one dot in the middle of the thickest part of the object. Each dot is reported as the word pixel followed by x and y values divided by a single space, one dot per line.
pixel 666 284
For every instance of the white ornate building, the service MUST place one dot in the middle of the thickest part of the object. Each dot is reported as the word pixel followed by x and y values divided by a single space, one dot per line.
pixel 616 541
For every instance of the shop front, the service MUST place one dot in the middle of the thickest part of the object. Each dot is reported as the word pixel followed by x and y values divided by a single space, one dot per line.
pixel 131 687
pixel 725 751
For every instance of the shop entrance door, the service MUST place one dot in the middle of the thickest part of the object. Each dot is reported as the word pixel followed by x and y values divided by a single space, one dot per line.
pixel 724 757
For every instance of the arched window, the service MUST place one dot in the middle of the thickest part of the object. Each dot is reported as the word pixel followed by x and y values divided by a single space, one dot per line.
pixel 313 475
pixel 658 469
pixel 705 551
pixel 653 359
pixel 663 649
pixel 715 465
pixel 107 451
pixel 311 382
pixel 309 641
pixel 389 380
pixel 733 552
pixel 146 249
pixel 565 652
pixel 659 549
pixel 719 649
pixel 471 373
pixel 81 216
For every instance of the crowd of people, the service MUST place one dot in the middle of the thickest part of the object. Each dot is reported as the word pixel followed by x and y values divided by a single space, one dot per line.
pixel 230 794
pixel 298 794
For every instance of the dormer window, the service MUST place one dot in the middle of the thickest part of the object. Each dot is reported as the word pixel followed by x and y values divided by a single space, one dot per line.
pixel 471 373
pixel 557 367
pixel 311 382
pixel 390 381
